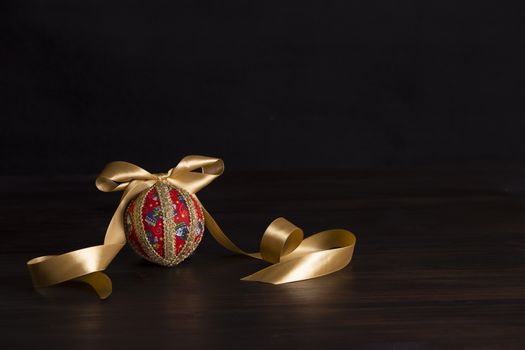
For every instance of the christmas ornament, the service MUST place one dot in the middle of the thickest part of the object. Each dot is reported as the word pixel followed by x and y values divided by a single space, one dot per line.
pixel 164 224
pixel 163 221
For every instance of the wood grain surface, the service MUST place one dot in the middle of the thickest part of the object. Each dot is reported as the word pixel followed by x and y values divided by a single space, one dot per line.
pixel 439 263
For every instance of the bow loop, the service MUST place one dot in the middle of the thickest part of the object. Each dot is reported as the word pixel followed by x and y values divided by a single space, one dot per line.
pixel 116 176
pixel 183 175
pixel 208 165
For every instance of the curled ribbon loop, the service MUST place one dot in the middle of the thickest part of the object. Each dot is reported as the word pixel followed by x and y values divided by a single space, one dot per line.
pixel 280 238
pixel 282 244
pixel 293 258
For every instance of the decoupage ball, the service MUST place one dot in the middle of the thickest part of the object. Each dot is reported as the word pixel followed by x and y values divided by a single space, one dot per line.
pixel 164 224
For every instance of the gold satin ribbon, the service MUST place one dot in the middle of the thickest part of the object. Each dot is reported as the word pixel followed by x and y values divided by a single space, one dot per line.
pixel 282 244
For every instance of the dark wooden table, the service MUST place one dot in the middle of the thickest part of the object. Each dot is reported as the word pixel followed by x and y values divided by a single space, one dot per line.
pixel 439 263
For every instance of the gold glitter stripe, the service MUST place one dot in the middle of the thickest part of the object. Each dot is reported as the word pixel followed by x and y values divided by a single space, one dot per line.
pixel 163 190
pixel 189 244
pixel 152 255
pixel 133 231
pixel 195 219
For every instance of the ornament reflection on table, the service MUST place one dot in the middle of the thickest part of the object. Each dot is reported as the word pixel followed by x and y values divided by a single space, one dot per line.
pixel 163 221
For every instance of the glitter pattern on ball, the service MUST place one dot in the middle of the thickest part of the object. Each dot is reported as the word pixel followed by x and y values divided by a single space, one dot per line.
pixel 164 224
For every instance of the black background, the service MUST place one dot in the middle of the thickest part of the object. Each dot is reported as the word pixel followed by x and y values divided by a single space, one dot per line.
pixel 267 84
pixel 422 101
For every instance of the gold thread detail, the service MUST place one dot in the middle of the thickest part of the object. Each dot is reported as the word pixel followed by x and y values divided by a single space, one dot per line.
pixel 151 254
pixel 188 245
pixel 163 191
pixel 195 218
pixel 134 246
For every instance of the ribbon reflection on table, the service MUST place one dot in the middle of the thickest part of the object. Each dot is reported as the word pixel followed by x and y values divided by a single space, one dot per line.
pixel 292 258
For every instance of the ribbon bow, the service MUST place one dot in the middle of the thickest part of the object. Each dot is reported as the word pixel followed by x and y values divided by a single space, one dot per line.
pixel 282 244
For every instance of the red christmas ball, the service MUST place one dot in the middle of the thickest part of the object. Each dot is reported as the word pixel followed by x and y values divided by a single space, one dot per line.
pixel 164 224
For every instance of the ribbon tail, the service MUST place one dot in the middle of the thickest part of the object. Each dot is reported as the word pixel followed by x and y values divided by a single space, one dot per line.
pixel 99 281
pixel 309 266
pixel 85 264
pixel 50 270
pixel 320 254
